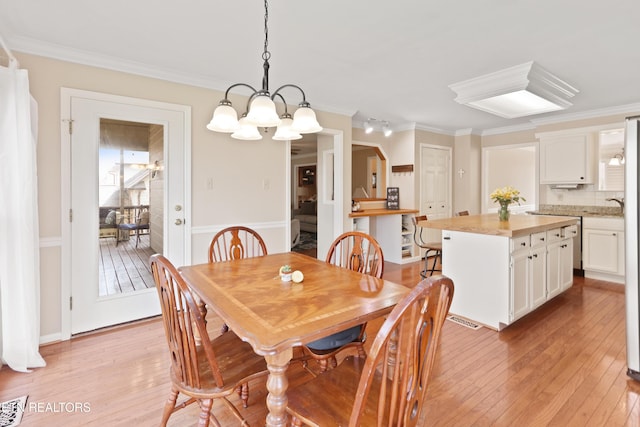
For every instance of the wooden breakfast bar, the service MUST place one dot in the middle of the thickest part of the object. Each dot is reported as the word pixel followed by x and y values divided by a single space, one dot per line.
pixel 503 270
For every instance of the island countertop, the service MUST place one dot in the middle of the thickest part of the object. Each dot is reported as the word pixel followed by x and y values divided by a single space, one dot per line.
pixel 518 225
pixel 379 212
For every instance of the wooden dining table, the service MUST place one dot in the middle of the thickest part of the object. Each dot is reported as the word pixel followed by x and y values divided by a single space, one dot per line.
pixel 275 316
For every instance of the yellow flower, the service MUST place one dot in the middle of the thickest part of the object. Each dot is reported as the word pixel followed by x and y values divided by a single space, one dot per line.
pixel 506 195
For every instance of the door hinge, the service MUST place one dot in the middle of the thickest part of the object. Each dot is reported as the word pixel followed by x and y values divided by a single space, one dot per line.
pixel 70 303
pixel 70 124
pixel 70 215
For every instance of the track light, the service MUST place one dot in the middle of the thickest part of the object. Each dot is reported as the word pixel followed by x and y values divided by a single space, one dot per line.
pixel 372 124
pixel 386 130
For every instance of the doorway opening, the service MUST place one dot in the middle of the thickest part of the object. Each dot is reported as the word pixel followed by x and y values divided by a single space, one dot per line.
pixel 304 213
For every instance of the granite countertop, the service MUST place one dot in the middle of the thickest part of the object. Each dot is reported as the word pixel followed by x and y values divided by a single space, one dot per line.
pixel 579 210
pixel 518 225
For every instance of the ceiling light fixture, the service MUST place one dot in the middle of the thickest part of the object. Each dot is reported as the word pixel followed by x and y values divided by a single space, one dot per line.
pixel 261 110
pixel 617 159
pixel 519 91
pixel 371 124
pixel 368 127
pixel 386 130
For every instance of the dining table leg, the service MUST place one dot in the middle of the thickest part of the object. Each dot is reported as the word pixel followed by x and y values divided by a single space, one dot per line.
pixel 277 384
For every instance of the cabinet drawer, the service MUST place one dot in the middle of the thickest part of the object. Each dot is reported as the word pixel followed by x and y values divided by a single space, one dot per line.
pixel 569 231
pixel 521 242
pixel 554 235
pixel 538 238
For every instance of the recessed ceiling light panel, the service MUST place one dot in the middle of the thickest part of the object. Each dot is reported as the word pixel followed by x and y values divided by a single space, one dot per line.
pixel 519 91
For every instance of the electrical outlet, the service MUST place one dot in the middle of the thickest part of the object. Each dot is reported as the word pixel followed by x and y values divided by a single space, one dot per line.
pixel 266 184
pixel 209 183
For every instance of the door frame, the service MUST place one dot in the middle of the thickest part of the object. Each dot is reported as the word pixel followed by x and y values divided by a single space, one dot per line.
pixel 66 95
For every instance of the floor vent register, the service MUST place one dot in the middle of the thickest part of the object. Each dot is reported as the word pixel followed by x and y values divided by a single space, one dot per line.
pixel 464 322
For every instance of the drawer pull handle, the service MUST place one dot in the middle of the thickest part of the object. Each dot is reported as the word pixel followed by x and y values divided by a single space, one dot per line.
pixel 523 244
pixel 447 238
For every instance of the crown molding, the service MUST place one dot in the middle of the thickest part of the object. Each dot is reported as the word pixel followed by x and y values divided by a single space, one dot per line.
pixel 591 114
pixel 432 129
pixel 63 53
pixel 508 129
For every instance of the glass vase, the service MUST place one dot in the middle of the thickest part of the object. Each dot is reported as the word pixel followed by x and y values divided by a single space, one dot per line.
pixel 503 212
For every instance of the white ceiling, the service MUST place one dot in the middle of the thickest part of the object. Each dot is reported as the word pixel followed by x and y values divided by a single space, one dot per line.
pixel 391 60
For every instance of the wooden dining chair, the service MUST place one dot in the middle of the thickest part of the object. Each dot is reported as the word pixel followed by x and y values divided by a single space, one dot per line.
pixel 433 248
pixel 202 369
pixel 387 388
pixel 359 252
pixel 236 242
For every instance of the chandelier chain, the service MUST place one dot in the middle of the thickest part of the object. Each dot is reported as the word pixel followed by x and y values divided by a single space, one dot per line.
pixel 266 55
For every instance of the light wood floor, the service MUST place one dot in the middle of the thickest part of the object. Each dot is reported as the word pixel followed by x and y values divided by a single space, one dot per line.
pixel 563 365
pixel 125 267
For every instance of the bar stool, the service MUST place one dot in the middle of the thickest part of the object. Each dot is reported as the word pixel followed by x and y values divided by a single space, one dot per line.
pixel 435 247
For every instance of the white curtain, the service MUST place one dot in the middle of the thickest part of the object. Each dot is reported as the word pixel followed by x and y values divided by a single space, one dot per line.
pixel 19 233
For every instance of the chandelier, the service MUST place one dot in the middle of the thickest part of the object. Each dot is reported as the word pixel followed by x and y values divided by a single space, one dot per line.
pixel 261 109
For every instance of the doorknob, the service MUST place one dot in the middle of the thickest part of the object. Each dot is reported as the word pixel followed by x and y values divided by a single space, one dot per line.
pixel 178 208
pixel 178 221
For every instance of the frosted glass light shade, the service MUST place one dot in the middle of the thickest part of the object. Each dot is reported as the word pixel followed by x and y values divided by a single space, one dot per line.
pixel 262 112
pixel 284 131
pixel 515 104
pixel 304 121
pixel 225 119
pixel 246 131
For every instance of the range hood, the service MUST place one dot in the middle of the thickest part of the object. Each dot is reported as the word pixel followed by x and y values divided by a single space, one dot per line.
pixel 565 186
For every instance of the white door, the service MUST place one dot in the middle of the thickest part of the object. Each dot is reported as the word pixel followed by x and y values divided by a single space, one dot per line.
pixel 88 309
pixel 435 186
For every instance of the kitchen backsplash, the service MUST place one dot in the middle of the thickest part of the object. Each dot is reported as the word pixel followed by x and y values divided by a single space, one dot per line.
pixel 585 196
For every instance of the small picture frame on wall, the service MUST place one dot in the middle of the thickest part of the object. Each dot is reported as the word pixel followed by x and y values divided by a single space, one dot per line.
pixel 393 198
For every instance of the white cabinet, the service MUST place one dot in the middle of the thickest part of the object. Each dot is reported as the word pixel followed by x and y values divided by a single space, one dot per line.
pixel 541 268
pixel 528 277
pixel 394 233
pixel 559 265
pixel 519 295
pixel 567 158
pixel 603 248
pixel 407 237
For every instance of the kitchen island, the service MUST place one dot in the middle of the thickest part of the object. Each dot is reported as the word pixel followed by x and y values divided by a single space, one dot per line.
pixel 503 270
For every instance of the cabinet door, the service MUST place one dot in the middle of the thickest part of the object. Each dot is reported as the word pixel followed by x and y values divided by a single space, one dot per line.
pixel 519 292
pixel 566 264
pixel 564 160
pixel 554 268
pixel 600 250
pixel 537 276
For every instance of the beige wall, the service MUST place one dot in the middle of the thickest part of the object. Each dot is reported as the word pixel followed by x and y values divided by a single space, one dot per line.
pixel 466 188
pixel 238 169
pixel 245 174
